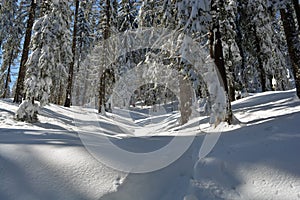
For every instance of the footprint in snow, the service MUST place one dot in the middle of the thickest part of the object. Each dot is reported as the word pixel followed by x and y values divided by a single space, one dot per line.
pixel 271 128
pixel 190 197
pixel 118 182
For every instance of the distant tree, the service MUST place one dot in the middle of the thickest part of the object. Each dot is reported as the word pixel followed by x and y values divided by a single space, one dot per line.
pixel 150 13
pixel 232 54
pixel 281 65
pixel 72 63
pixel 260 55
pixel 169 13
pixel 297 10
pixel 85 38
pixel 293 41
pixel 127 15
pixel 239 40
pixel 64 55
pixel 109 25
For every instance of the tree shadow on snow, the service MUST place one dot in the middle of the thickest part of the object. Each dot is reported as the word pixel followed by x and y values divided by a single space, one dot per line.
pixel 38 137
pixel 42 182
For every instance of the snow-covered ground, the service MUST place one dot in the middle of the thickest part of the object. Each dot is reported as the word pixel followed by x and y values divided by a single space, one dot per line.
pixel 257 159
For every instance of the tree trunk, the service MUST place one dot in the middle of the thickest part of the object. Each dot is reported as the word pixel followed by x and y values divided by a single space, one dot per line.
pixel 239 39
pixel 262 71
pixel 106 34
pixel 185 95
pixel 71 68
pixel 297 9
pixel 293 42
pixel 231 83
pixel 8 75
pixel 102 92
pixel 216 53
pixel 19 93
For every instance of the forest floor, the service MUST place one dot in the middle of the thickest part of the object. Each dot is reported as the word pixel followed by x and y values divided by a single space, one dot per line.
pixel 254 160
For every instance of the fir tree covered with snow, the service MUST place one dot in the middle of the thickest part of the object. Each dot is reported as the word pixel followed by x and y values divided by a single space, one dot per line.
pixel 127 15
pixel 84 43
pixel 47 64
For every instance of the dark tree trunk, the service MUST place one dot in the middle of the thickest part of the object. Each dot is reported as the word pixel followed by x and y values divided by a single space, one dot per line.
pixel 293 42
pixel 71 68
pixel 19 93
pixel 7 80
pixel 239 39
pixel 106 34
pixel 185 95
pixel 231 83
pixel 297 9
pixel 216 53
pixel 82 100
pixel 102 92
pixel 262 71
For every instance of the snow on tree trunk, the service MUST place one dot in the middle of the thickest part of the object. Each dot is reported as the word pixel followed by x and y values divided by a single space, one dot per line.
pixel 27 111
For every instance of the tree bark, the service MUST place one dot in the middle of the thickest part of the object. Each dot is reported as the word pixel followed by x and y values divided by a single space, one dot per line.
pixel 106 34
pixel 19 93
pixel 185 95
pixel 71 68
pixel 293 43
pixel 8 75
pixel 239 39
pixel 297 9
pixel 262 71
pixel 101 102
pixel 231 83
pixel 216 53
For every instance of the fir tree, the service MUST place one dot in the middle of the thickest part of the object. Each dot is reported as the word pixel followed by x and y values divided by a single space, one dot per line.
pixel 232 55
pixel 108 25
pixel 293 41
pixel 48 61
pixel 150 13
pixel 257 31
pixel 85 39
pixel 127 15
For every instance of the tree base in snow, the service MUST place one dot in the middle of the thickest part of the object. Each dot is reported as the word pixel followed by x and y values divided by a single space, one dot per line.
pixel 27 112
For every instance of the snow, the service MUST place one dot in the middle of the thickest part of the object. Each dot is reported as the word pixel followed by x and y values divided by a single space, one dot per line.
pixel 256 159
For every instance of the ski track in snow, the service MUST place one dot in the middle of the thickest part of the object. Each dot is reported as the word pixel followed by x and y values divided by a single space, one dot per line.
pixel 257 159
